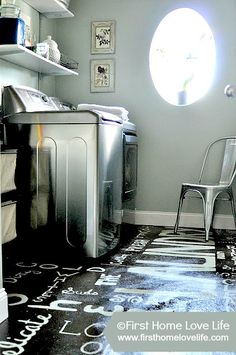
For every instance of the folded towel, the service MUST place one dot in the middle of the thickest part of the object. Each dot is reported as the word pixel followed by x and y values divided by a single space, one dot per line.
pixel 115 110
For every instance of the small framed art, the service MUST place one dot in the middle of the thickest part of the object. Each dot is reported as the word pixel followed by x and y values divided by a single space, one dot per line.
pixel 102 75
pixel 102 37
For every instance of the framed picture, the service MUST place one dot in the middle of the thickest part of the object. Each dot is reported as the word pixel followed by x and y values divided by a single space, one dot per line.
pixel 103 37
pixel 102 75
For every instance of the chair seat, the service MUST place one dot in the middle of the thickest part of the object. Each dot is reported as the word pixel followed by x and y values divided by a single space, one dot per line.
pixel 205 186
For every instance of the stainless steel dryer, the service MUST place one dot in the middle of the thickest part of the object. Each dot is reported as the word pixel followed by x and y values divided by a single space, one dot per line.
pixel 130 165
pixel 68 172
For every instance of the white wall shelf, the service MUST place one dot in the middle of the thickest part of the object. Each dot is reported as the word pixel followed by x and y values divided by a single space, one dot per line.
pixel 50 8
pixel 26 58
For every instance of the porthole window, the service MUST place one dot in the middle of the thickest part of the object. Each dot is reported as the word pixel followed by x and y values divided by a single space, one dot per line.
pixel 182 57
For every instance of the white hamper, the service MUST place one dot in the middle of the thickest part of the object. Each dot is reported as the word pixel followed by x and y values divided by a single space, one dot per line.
pixel 8 221
pixel 8 204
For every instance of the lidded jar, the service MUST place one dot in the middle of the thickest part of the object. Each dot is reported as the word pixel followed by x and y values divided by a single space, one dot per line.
pixel 9 9
pixel 54 53
pixel 12 27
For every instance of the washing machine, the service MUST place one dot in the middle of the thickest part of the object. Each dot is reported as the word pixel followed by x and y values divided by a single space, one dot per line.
pixel 129 159
pixel 68 171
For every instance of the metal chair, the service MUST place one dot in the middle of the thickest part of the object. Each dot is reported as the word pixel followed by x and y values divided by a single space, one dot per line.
pixel 209 192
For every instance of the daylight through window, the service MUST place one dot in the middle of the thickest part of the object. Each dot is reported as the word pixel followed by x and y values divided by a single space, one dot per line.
pixel 182 57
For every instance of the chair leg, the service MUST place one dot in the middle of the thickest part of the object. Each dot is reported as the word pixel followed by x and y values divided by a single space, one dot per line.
pixel 179 211
pixel 231 196
pixel 208 207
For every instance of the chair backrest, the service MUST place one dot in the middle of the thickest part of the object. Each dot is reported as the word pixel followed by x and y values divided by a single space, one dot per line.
pixel 229 162
pixel 228 168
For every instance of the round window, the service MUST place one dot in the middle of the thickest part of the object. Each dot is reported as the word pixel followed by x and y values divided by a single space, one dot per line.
pixel 182 57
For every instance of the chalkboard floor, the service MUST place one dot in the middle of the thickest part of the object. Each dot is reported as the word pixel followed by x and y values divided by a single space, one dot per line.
pixel 60 303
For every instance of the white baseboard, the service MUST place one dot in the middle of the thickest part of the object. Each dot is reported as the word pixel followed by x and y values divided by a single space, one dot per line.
pixel 167 219
pixel 3 305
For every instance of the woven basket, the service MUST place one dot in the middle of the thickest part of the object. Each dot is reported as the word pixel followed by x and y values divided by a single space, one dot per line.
pixel 67 62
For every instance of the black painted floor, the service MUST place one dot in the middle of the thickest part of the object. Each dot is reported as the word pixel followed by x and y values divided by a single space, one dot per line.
pixel 60 303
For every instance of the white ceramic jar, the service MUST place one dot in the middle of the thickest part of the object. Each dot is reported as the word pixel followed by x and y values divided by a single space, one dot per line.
pixel 54 53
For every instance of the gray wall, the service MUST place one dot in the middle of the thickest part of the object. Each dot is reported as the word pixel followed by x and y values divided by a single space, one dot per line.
pixel 172 139
pixel 47 27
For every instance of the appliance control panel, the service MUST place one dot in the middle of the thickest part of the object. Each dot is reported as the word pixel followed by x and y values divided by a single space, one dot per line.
pixel 17 99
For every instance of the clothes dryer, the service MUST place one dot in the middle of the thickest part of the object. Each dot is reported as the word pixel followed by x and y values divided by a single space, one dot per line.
pixel 130 169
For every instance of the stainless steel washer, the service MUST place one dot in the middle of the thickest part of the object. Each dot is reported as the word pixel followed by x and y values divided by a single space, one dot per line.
pixel 68 171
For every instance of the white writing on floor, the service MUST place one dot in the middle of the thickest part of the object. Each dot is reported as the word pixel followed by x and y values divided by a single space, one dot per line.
pixel 71 291
pixel 60 278
pixel 46 266
pixel 94 331
pixel 20 275
pixel 137 245
pixel 61 305
pixel 16 346
pixel 176 248
pixel 47 293
pixel 107 280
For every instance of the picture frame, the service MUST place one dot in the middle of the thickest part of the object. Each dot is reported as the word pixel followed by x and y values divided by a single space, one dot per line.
pixel 103 37
pixel 102 75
